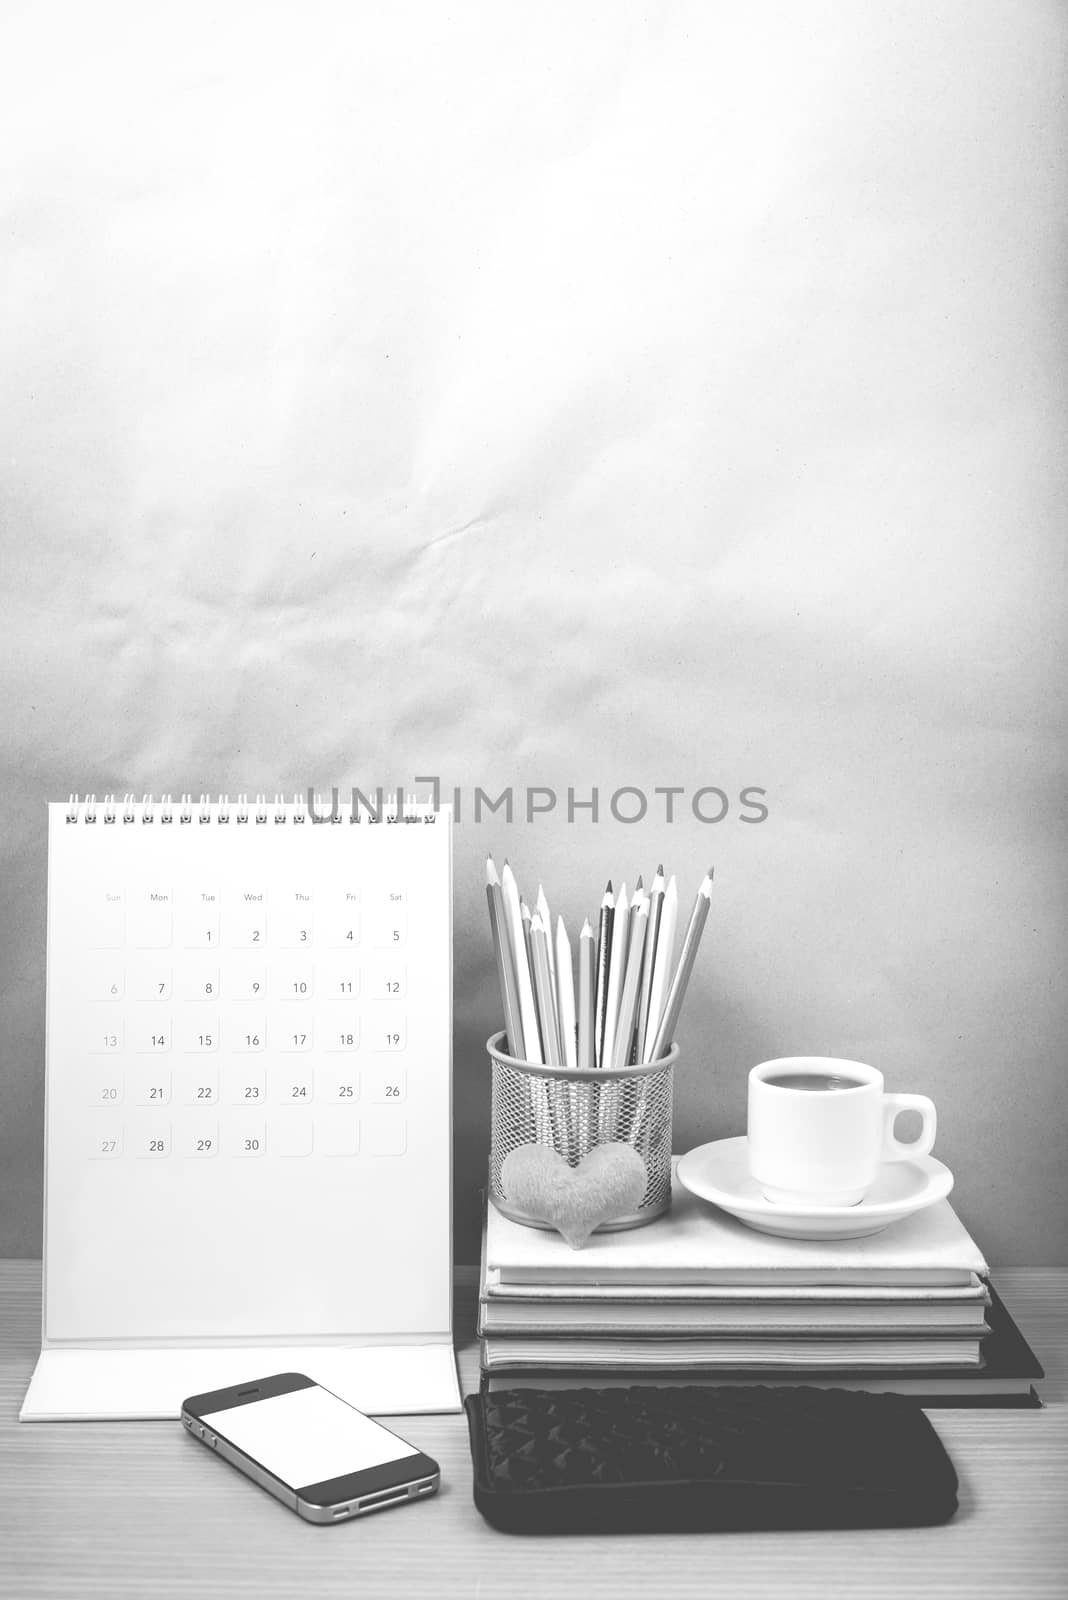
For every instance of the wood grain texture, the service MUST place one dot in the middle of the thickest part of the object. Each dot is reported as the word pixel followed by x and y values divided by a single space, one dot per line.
pixel 138 1509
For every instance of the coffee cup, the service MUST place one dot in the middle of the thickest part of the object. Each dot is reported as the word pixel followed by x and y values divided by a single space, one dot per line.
pixel 819 1129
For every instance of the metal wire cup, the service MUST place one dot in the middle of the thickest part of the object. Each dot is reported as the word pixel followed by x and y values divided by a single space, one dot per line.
pixel 573 1111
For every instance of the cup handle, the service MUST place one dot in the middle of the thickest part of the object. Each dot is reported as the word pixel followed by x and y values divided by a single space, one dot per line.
pixel 893 1105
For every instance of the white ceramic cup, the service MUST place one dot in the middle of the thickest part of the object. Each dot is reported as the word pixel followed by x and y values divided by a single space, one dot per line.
pixel 823 1146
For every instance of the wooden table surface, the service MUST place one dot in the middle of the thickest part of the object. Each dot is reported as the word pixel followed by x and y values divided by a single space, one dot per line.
pixel 116 1509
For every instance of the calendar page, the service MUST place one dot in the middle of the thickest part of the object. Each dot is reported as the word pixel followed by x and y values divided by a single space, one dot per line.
pixel 249 1076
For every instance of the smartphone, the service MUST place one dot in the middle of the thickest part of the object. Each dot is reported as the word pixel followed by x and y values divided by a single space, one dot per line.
pixel 317 1454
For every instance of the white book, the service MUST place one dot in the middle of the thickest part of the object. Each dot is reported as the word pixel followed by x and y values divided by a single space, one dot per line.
pixel 973 1290
pixel 519 1353
pixel 689 1318
pixel 695 1243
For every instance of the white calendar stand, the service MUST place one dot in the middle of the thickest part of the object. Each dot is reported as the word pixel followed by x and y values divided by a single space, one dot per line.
pixel 248 1108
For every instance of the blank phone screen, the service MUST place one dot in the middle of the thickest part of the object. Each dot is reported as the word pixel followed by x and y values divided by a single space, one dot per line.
pixel 307 1436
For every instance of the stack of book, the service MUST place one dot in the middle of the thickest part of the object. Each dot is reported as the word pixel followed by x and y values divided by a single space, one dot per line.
pixel 697 1297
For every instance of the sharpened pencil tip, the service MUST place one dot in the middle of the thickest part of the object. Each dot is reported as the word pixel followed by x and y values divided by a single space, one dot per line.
pixel 608 887
pixel 660 870
pixel 638 885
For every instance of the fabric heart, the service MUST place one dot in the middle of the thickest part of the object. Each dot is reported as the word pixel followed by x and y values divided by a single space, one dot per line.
pixel 606 1184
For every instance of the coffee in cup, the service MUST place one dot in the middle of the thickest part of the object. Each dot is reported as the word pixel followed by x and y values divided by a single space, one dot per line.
pixel 819 1129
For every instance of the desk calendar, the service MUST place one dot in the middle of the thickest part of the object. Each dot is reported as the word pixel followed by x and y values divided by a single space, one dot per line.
pixel 248 1108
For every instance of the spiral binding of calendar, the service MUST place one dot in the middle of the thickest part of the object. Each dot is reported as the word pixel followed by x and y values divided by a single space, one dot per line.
pixel 260 809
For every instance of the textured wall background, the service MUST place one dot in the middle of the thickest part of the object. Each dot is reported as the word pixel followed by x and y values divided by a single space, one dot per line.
pixel 578 394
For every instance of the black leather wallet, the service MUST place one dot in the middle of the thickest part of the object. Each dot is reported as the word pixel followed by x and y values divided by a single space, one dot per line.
pixel 694 1458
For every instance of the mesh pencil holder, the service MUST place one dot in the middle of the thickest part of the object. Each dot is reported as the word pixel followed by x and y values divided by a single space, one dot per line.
pixel 572 1111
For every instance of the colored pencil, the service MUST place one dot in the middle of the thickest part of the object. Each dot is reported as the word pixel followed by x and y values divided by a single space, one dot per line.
pixel 565 995
pixel 513 1025
pixel 604 953
pixel 541 906
pixel 663 966
pixel 677 992
pixel 617 962
pixel 641 898
pixel 656 901
pixel 528 1014
pixel 629 997
pixel 543 990
pixel 586 997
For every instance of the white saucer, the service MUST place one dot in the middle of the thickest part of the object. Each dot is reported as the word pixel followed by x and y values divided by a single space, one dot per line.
pixel 719 1172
